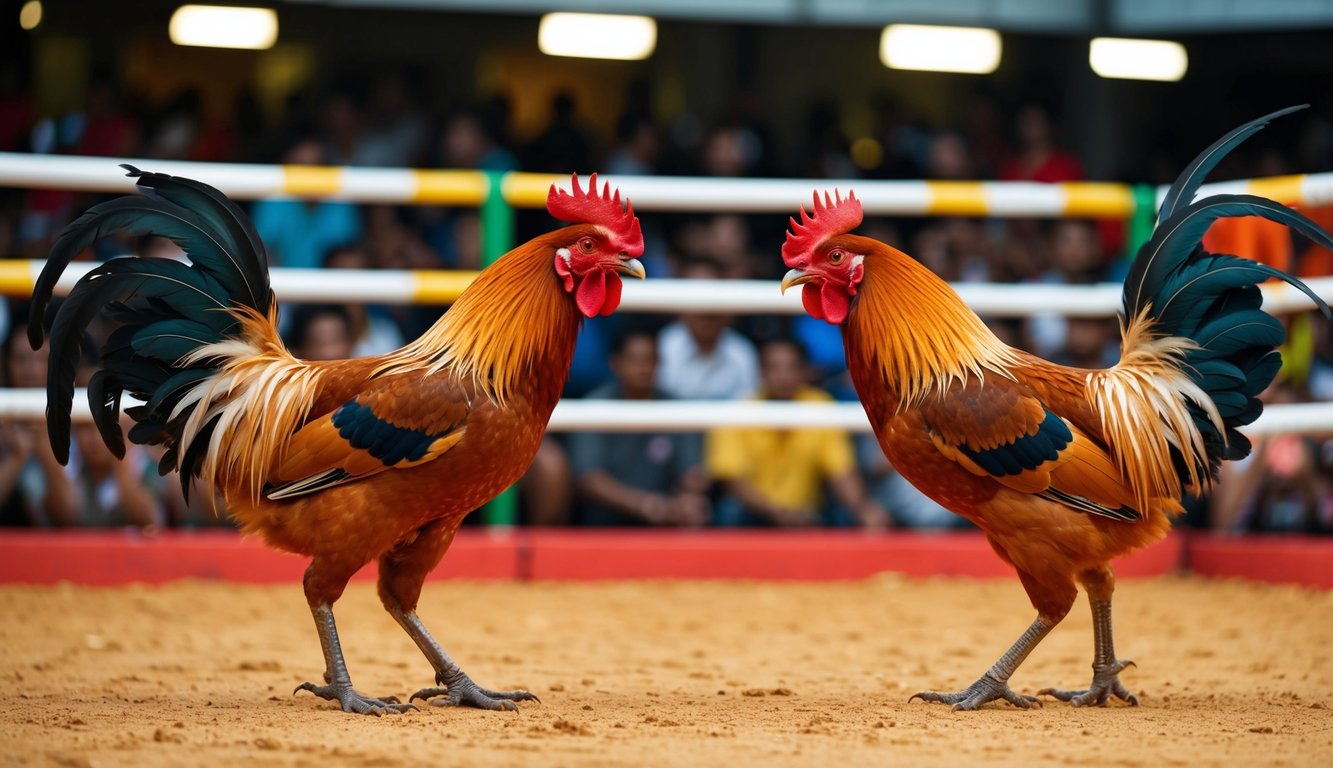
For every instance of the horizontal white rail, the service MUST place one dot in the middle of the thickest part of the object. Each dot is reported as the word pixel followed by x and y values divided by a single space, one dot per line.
pixel 699 416
pixel 247 181
pixel 670 296
pixel 250 181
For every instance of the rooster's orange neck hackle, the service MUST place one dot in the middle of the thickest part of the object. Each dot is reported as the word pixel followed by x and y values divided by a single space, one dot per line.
pixel 514 319
pixel 898 318
pixel 912 328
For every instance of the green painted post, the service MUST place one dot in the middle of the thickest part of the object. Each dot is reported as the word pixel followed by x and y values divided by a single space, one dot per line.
pixel 497 237
pixel 1142 220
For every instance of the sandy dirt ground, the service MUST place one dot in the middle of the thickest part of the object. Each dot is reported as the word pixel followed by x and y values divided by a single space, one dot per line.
pixel 663 674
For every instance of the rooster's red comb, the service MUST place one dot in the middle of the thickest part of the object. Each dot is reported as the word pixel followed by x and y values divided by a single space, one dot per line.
pixel 591 208
pixel 832 216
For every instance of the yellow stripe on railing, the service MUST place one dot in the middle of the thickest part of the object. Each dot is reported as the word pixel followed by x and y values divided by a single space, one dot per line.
pixel 312 180
pixel 1098 200
pixel 529 190
pixel 1284 189
pixel 438 286
pixel 16 278
pixel 957 198
pixel 450 187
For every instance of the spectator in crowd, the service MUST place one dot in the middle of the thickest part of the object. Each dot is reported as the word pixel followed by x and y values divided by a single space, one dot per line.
pixel 634 478
pixel 108 130
pixel 1039 156
pixel 342 125
pixel 298 233
pixel 113 492
pixel 546 490
pixel 636 149
pixel 373 331
pixel 1076 258
pixel 567 145
pixel 467 142
pixel 1284 485
pixel 1320 380
pixel 395 129
pixel 702 358
pixel 178 128
pixel 108 492
pixel 34 489
pixel 775 477
pixel 825 151
pixel 1089 342
pixel 321 332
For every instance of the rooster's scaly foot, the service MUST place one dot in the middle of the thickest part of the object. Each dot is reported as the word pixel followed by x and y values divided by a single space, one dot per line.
pixel 352 701
pixel 1105 684
pixel 462 692
pixel 984 690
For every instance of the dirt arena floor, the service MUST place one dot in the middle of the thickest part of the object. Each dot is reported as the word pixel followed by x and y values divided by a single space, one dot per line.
pixel 663 674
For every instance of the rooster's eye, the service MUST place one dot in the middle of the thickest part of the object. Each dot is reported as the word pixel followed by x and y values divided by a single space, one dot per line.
pixel 586 245
pixel 835 257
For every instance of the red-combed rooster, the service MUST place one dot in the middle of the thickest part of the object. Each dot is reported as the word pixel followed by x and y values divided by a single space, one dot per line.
pixel 1063 469
pixel 346 461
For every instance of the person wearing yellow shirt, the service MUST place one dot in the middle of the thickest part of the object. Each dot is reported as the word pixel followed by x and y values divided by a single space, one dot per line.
pixel 776 477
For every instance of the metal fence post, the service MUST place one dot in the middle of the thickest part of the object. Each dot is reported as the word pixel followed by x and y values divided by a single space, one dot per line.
pixel 497 237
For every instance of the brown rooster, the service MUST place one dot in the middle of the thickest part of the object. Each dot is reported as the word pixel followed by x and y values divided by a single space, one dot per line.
pixel 1063 469
pixel 346 461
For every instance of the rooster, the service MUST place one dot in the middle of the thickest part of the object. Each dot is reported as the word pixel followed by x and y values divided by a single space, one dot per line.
pixel 346 461
pixel 1063 469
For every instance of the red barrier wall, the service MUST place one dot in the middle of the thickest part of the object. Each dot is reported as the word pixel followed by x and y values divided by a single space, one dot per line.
pixel 1282 559
pixel 117 557
pixel 104 558
pixel 812 555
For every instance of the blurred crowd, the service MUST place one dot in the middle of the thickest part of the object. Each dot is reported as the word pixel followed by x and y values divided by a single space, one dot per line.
pixel 728 477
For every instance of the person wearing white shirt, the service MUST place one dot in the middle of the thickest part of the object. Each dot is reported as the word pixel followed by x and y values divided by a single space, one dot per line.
pixel 703 359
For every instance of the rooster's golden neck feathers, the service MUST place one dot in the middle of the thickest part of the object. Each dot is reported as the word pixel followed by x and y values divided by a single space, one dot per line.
pixel 916 332
pixel 514 321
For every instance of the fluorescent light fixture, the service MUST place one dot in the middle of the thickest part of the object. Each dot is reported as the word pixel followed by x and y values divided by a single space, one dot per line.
pixel 30 15
pixel 1125 59
pixel 971 50
pixel 214 26
pixel 597 36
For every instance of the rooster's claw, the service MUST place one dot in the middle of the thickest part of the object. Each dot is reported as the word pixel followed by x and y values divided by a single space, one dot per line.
pixel 352 701
pixel 1105 684
pixel 465 693
pixel 985 690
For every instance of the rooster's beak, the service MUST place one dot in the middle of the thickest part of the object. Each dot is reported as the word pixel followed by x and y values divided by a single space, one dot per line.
pixel 796 277
pixel 631 267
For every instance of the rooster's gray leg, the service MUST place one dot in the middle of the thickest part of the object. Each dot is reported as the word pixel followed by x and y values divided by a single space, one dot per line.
pixel 402 572
pixel 1106 667
pixel 994 684
pixel 338 684
pixel 457 689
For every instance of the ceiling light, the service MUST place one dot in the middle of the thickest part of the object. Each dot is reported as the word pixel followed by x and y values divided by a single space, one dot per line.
pixel 972 50
pixel 1126 59
pixel 30 15
pixel 597 36
pixel 213 26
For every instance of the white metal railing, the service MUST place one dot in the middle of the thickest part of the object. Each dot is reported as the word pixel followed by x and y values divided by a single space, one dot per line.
pixel 674 296
pixel 248 181
pixel 700 416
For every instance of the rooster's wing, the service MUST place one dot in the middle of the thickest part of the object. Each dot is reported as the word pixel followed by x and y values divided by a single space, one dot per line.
pixel 377 430
pixel 1002 430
